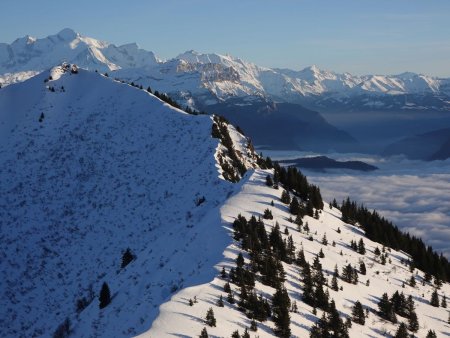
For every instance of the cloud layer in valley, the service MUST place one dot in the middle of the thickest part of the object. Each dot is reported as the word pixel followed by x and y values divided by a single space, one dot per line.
pixel 414 195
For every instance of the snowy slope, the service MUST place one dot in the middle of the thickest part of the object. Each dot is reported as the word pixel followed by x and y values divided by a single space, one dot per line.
pixel 200 79
pixel 91 167
pixel 178 319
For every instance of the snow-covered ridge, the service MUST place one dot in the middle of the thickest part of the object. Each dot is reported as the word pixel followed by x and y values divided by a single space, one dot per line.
pixel 91 166
pixel 211 78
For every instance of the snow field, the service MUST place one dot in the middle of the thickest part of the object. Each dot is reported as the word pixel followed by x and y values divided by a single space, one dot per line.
pixel 178 319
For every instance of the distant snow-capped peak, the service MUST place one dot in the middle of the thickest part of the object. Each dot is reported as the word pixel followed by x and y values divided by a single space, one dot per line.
pixel 209 77
pixel 31 54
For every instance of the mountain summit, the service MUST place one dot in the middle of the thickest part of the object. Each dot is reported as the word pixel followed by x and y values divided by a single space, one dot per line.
pixel 31 54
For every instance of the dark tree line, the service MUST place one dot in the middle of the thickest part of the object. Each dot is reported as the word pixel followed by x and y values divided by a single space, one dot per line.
pixel 294 181
pixel 267 251
pixel 220 131
pixel 378 229
pixel 398 304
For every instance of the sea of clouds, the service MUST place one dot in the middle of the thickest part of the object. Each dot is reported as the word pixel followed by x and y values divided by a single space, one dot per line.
pixel 414 195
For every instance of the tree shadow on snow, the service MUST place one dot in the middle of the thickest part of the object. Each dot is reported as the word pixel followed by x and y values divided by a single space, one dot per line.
pixel 381 332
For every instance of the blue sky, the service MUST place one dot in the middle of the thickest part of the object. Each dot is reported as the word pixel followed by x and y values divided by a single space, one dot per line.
pixel 358 36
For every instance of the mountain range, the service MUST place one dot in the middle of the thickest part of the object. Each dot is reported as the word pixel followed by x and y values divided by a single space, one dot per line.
pixel 200 79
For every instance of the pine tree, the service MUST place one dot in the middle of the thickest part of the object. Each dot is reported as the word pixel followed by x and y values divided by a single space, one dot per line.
pixel 127 258
pixel 267 214
pixel 413 322
pixel 301 258
pixel 227 287
pixel 235 334
pixel 246 334
pixel 334 203
pixel 402 331
pixel 308 285
pixel 280 313
pixel 377 251
pixel 290 248
pixel 358 313
pixel 321 298
pixel 223 273
pixel 386 309
pixel 444 302
pixel 334 283
pixel 318 277
pixel 269 181
pixel 412 281
pixel 63 330
pixel 204 333
pixel 294 207
pixel 399 304
pixel 220 302
pixel 294 307
pixel 355 277
pixel 335 322
pixel 362 268
pixel 240 261
pixel 348 274
pixel 410 306
pixel 437 282
pixel 431 334
pixel 253 325
pixel 243 297
pixel 105 296
pixel 285 197
pixel 348 323
pixel 361 247
pixel 321 254
pixel 434 298
pixel 324 239
pixel 299 222
pixel 309 208
pixel 191 303
pixel 230 298
pixel 210 319
pixel 320 329
pixel 306 228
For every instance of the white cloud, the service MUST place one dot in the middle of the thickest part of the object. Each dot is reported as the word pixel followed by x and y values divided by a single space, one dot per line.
pixel 414 195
